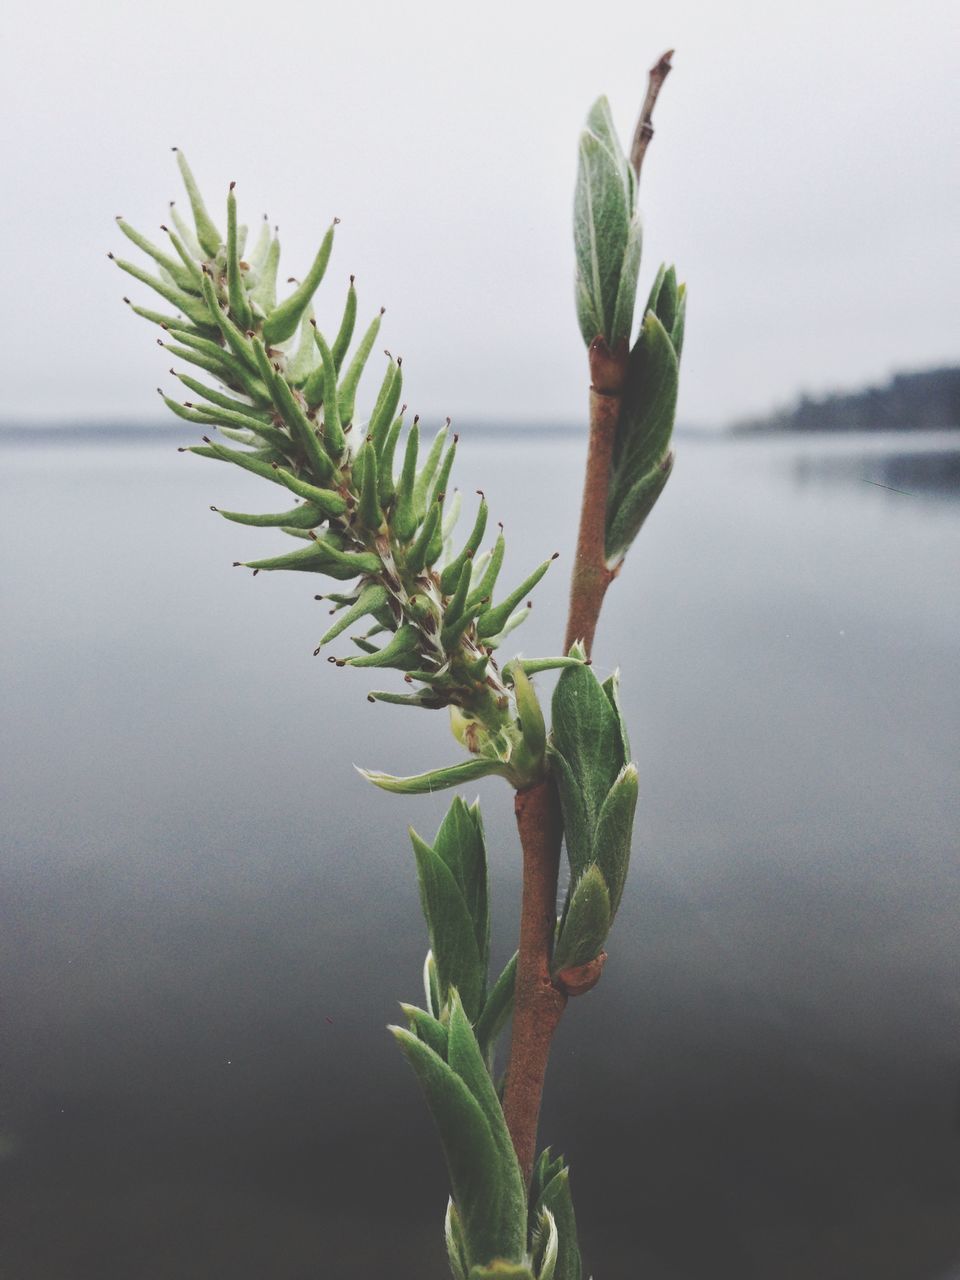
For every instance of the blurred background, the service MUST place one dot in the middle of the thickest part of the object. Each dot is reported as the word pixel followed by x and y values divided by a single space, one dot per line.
pixel 208 917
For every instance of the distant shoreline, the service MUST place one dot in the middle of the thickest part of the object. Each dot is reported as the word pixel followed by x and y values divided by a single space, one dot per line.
pixel 928 400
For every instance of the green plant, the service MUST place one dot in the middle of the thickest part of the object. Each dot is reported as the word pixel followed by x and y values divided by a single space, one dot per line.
pixel 372 511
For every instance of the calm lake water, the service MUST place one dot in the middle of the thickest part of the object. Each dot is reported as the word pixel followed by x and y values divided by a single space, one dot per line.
pixel 208 917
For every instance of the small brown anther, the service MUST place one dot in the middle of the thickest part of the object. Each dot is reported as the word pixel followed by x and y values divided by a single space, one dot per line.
pixel 110 256
pixel 352 278
pixel 232 185
pixel 383 310
pixel 128 302
pixel 237 564
pixel 206 439
pixel 555 556
pixel 255 572
pixel 371 698
pixel 332 659
pixel 213 508
pixel 316 652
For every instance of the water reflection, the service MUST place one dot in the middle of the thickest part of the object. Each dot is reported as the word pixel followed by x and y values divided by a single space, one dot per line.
pixel 207 919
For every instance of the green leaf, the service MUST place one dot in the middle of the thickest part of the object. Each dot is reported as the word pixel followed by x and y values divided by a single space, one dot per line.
pixel 456 1250
pixel 437 779
pixel 452 940
pixel 498 1007
pixel 555 1198
pixel 614 833
pixel 606 232
pixel 587 734
pixel 483 1196
pixel 578 826
pixel 611 687
pixel 628 517
pixel 465 1057
pixel 622 322
pixel 642 458
pixel 459 842
pixel 586 923
pixel 546 1245
pixel 427 1028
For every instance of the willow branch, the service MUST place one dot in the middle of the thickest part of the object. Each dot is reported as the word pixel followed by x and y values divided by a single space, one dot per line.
pixel 538 1003
pixel 540 999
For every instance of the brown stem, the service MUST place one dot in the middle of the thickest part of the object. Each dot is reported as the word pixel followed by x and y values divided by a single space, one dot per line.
pixel 591 577
pixel 539 998
pixel 538 1003
pixel 644 130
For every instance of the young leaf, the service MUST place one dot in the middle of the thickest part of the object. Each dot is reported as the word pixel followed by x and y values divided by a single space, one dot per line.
pixel 614 832
pixel 452 939
pixel 586 924
pixel 485 1205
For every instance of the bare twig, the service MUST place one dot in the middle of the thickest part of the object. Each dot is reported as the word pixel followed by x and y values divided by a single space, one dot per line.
pixel 644 130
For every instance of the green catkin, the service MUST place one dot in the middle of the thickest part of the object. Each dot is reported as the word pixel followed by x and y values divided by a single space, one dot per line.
pixel 404 515
pixel 182 278
pixel 248 461
pixel 387 485
pixel 218 398
pixel 386 405
pixel 347 391
pixel 258 254
pixel 328 500
pixel 239 306
pixel 457 605
pixel 184 255
pixel 368 509
pixel 451 574
pixel 263 296
pixel 342 341
pixel 399 651
pixel 443 476
pixel 484 588
pixel 306 516
pixel 332 430
pixel 207 234
pixel 236 341
pixel 168 322
pixel 418 555
pixel 427 472
pixel 191 307
pixel 372 597
pixel 187 233
pixel 294 416
pixel 301 365
pixel 282 321
pixel 494 619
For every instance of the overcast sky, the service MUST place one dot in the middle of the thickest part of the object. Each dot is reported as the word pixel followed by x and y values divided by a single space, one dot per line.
pixel 803 178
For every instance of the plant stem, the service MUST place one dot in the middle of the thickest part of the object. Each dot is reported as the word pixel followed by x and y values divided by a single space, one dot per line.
pixel 538 1003
pixel 591 577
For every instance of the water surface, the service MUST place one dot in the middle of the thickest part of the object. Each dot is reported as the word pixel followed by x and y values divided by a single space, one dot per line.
pixel 208 917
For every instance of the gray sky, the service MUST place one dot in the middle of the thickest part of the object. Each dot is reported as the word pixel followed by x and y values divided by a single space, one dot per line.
pixel 803 178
